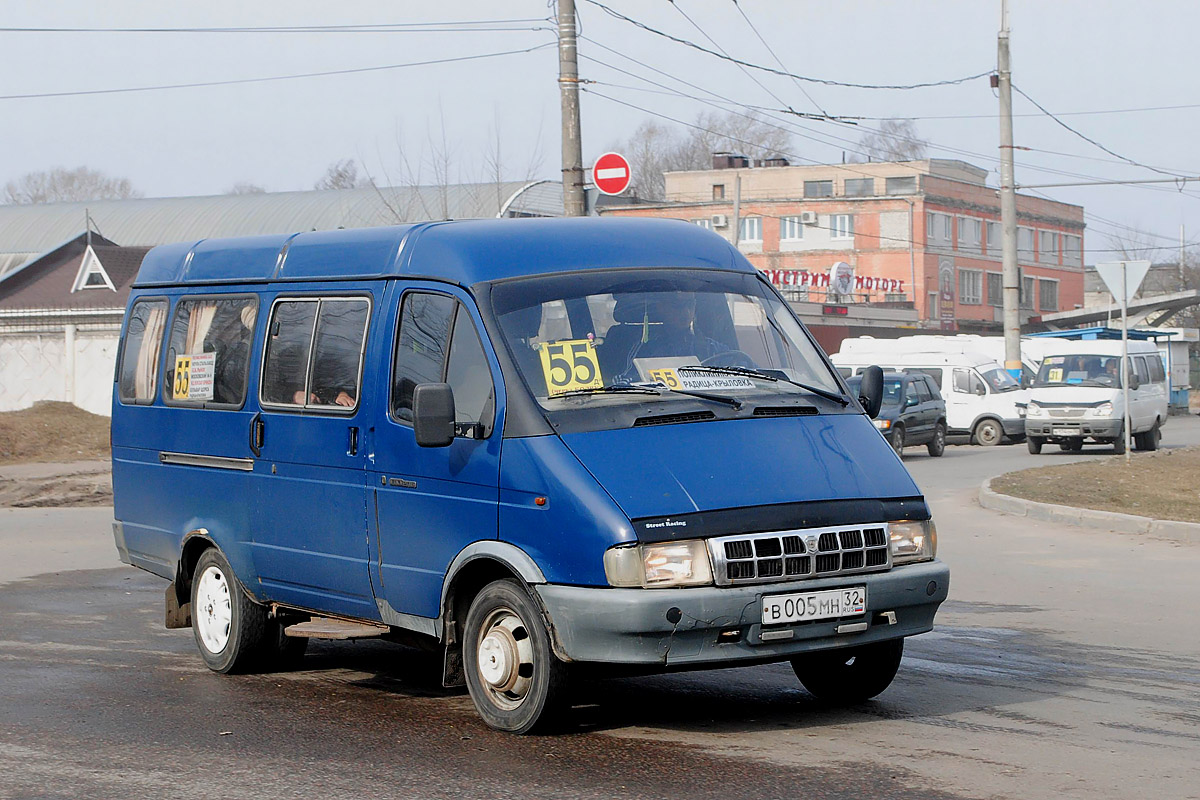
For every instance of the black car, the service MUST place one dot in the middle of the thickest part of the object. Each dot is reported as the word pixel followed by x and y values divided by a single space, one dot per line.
pixel 912 413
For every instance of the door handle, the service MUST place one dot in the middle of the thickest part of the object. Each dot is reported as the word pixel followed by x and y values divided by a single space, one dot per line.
pixel 257 434
pixel 352 445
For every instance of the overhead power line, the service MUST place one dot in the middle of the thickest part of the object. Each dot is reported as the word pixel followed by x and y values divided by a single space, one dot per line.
pixel 778 60
pixel 1039 114
pixel 782 72
pixel 269 78
pixel 385 27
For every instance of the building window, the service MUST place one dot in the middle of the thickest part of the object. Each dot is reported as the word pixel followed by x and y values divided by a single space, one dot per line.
pixel 860 187
pixel 995 289
pixel 905 185
pixel 790 229
pixel 970 233
pixel 1047 295
pixel 718 191
pixel 1072 250
pixel 1025 244
pixel 937 229
pixel 818 188
pixel 1027 293
pixel 841 226
pixel 995 238
pixel 970 287
pixel 1048 247
pixel 750 229
pixel 704 222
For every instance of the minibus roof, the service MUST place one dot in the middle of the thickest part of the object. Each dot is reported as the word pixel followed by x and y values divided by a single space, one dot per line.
pixel 464 252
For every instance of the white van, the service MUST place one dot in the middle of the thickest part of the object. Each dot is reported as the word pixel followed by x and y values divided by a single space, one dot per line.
pixel 982 399
pixel 1032 348
pixel 1077 396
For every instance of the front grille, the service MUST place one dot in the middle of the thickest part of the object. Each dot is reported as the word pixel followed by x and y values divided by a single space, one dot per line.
pixel 796 555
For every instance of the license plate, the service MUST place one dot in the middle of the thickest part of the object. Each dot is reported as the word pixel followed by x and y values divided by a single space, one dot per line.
pixel 780 609
pixel 1065 431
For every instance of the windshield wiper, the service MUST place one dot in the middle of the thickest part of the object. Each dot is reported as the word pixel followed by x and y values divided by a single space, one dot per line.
pixel 716 398
pixel 616 389
pixel 753 373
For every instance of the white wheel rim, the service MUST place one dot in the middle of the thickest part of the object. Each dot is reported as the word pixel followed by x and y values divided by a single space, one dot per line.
pixel 504 657
pixel 213 610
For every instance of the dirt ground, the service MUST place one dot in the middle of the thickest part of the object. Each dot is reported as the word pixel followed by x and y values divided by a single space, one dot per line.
pixel 1162 485
pixel 52 432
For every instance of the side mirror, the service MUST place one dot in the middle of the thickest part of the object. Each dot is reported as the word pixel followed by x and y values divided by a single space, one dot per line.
pixel 433 414
pixel 870 391
pixel 981 390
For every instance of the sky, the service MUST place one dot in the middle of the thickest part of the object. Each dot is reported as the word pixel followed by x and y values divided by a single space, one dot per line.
pixel 468 120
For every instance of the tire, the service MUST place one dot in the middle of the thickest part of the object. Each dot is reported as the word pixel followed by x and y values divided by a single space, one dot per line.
pixel 230 629
pixel 514 678
pixel 897 440
pixel 937 445
pixel 1149 440
pixel 1119 443
pixel 988 433
pixel 852 674
pixel 1034 443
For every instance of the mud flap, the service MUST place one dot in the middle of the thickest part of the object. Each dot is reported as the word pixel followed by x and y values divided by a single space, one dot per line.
pixel 178 615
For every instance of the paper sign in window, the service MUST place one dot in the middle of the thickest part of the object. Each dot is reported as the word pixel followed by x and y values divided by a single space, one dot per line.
pixel 194 377
pixel 569 365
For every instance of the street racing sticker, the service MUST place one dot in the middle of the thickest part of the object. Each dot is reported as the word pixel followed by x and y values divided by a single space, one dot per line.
pixel 569 365
pixel 194 377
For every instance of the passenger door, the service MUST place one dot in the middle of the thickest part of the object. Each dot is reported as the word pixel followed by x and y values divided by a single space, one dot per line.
pixel 309 541
pixel 431 502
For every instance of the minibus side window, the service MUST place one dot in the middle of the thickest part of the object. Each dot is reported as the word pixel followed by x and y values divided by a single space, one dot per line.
pixel 140 356
pixel 209 357
pixel 1143 372
pixel 1157 373
pixel 337 353
pixel 420 347
pixel 438 343
pixel 288 342
pixel 314 353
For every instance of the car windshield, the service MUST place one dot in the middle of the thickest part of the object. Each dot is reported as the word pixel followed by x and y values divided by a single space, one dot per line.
pixel 1000 380
pixel 585 338
pixel 1080 370
pixel 891 389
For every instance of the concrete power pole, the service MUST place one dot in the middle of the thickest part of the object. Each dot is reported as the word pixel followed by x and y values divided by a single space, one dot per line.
pixel 568 84
pixel 1008 206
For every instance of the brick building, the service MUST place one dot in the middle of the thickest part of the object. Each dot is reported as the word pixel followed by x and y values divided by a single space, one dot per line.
pixel 925 233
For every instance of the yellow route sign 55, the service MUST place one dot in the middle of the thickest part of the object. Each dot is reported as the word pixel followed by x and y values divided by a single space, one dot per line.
pixel 570 364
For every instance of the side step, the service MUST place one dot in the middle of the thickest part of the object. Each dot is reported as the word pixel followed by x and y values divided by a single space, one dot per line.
pixel 327 628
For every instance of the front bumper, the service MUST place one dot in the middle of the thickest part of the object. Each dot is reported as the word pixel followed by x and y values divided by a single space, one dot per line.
pixel 1014 426
pixel 1098 428
pixel 680 627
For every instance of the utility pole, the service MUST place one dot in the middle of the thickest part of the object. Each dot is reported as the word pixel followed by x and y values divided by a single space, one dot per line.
pixel 1008 205
pixel 568 84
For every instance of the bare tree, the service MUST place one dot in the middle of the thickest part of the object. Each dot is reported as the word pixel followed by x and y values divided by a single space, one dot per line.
pixel 342 175
pixel 893 140
pixel 654 148
pixel 62 185
pixel 245 187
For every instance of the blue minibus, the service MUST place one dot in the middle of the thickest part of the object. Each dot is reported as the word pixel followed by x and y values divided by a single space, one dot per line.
pixel 536 445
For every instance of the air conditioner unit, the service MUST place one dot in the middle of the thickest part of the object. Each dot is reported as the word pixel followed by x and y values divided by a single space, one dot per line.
pixel 719 221
pixel 808 218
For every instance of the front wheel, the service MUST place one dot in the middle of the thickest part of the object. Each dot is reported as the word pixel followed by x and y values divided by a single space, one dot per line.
pixel 852 674
pixel 897 440
pixel 229 627
pixel 1034 443
pixel 937 445
pixel 988 433
pixel 514 678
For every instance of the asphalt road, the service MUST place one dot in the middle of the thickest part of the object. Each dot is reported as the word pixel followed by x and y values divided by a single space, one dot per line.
pixel 1065 665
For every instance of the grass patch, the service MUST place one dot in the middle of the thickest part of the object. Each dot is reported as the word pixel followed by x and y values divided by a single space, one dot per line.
pixel 51 431
pixel 1161 485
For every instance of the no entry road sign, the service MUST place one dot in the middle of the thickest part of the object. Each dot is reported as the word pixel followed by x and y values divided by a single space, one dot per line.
pixel 611 173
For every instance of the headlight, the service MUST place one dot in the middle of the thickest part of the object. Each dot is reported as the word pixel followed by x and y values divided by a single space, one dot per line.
pixel 1103 410
pixel 661 565
pixel 913 541
pixel 1033 410
pixel 883 424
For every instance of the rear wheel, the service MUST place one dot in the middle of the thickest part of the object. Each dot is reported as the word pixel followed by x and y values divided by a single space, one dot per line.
pixel 852 674
pixel 897 439
pixel 513 676
pixel 1119 443
pixel 1148 441
pixel 1034 443
pixel 230 628
pixel 937 445
pixel 988 433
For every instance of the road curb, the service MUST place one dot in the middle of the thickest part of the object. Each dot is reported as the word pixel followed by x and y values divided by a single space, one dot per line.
pixel 1184 532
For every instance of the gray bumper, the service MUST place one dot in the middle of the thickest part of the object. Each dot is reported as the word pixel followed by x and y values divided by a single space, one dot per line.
pixel 1014 426
pixel 634 626
pixel 1099 428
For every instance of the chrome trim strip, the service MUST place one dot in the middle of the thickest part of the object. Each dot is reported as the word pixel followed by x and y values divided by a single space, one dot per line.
pixel 216 462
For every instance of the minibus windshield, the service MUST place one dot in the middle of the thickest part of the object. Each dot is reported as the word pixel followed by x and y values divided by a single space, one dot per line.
pixel 591 336
pixel 1000 380
pixel 1079 370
